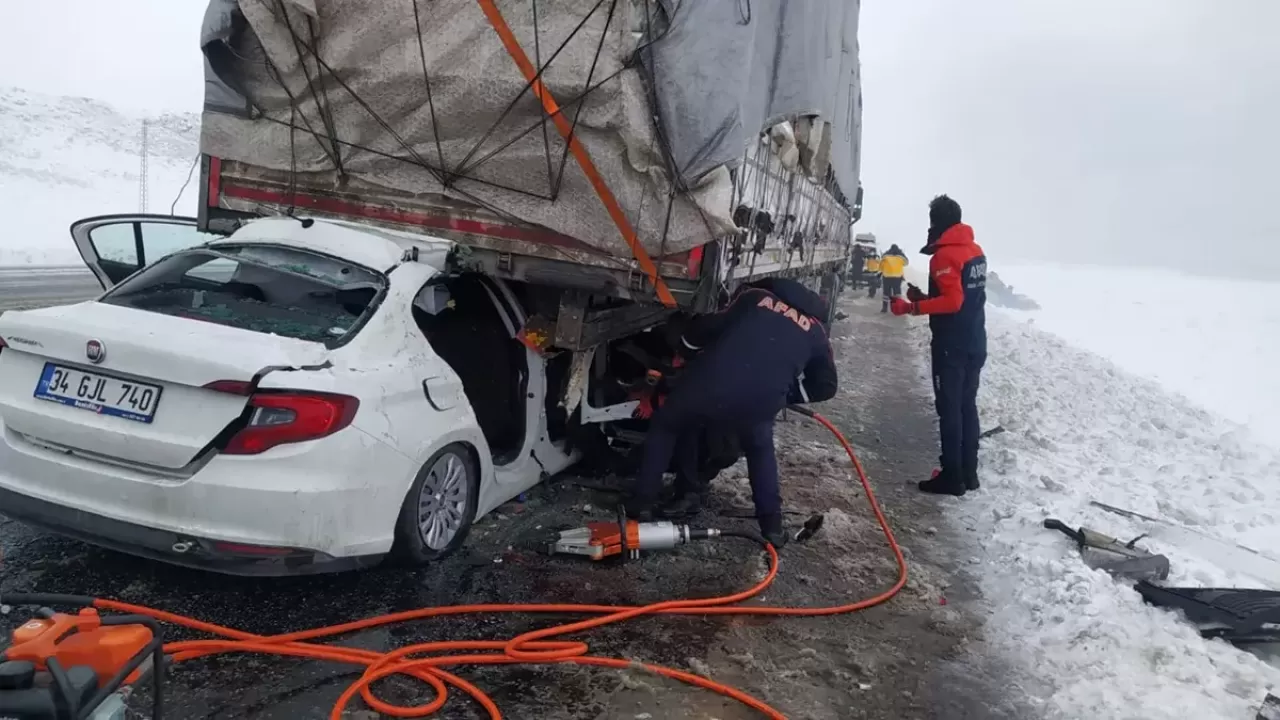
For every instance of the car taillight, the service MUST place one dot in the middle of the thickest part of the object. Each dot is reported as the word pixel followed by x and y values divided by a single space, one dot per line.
pixel 231 387
pixel 286 416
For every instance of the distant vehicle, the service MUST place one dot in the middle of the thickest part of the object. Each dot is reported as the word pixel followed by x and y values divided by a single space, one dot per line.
pixel 862 246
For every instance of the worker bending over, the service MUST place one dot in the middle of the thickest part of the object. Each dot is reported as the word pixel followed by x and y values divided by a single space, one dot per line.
pixel 956 306
pixel 892 267
pixel 766 350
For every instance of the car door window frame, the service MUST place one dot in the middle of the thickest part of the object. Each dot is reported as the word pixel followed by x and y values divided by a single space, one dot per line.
pixel 82 234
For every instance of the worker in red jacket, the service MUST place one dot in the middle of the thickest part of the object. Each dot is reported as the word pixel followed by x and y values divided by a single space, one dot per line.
pixel 956 306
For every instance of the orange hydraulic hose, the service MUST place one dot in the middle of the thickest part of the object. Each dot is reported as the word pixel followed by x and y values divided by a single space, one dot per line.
pixel 611 204
pixel 535 647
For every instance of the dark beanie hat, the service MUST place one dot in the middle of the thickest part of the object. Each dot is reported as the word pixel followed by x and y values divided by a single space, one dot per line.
pixel 943 212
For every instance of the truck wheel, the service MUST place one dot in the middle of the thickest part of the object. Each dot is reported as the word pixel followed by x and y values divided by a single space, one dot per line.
pixel 440 507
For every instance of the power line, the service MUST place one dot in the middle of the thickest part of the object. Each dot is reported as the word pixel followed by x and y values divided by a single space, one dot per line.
pixel 142 172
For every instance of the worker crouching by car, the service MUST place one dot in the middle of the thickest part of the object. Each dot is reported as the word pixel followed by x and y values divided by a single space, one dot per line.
pixel 892 267
pixel 766 350
pixel 956 306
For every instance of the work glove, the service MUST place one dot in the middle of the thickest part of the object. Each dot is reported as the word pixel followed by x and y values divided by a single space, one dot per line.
pixel 914 294
pixel 644 410
pixel 898 306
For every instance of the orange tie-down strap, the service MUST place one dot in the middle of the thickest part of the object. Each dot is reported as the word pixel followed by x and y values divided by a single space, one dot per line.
pixel 579 153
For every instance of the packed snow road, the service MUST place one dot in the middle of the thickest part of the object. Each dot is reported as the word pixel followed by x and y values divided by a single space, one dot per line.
pixel 920 656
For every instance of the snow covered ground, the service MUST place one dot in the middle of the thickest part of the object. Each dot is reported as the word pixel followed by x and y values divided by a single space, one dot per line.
pixel 1213 340
pixel 1136 402
pixel 63 158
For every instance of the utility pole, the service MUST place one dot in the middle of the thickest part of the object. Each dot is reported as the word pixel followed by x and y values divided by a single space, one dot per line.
pixel 142 172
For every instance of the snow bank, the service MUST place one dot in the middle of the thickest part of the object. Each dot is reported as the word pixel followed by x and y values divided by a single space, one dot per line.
pixel 62 159
pixel 1211 339
pixel 1082 429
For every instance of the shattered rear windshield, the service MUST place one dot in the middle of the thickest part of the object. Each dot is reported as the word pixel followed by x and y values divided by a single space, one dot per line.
pixel 268 289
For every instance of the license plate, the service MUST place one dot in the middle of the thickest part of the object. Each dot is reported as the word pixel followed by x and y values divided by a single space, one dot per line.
pixel 102 394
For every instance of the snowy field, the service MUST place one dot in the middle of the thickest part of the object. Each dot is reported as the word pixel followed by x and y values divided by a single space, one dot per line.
pixel 62 159
pixel 1131 389
pixel 1213 340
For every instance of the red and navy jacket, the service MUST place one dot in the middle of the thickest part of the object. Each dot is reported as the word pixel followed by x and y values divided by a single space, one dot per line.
pixel 957 300
pixel 768 348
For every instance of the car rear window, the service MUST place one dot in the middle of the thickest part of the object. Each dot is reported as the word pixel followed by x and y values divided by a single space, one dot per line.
pixel 267 289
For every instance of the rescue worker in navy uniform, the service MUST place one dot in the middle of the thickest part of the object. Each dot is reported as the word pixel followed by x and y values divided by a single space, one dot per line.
pixel 767 349
pixel 956 306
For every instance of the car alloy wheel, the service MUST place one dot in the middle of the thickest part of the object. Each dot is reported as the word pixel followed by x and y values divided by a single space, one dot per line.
pixel 442 501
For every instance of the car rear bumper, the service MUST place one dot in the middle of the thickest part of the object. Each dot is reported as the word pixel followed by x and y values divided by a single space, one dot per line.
pixel 327 501
pixel 175 548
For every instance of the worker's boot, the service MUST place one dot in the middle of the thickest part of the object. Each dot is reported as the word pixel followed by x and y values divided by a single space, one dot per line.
pixel 943 483
pixel 971 479
pixel 684 505
pixel 884 307
pixel 772 530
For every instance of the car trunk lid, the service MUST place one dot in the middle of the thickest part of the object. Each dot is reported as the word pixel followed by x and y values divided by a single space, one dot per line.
pixel 131 385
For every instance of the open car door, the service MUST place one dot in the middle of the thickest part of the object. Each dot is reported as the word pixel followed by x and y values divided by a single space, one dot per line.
pixel 116 246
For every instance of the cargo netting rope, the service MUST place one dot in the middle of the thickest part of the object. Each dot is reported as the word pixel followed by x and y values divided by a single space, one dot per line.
pixel 327 137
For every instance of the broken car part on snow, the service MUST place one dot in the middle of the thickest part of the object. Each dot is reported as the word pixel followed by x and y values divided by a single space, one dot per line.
pixel 1121 559
pixel 1270 709
pixel 1239 616
pixel 1232 556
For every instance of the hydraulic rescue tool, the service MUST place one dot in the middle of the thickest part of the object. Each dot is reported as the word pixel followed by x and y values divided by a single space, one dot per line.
pixel 60 666
pixel 625 538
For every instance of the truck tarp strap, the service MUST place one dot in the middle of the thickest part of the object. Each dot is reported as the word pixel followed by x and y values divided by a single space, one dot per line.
pixel 562 124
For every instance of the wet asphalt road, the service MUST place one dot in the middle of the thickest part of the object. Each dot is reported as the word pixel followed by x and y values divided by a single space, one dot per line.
pixel 32 287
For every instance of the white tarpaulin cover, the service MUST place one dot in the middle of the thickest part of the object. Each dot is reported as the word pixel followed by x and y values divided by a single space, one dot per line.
pixel 714 73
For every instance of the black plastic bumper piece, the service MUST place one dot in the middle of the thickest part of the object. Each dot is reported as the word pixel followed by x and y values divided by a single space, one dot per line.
pixel 1241 617
pixel 162 545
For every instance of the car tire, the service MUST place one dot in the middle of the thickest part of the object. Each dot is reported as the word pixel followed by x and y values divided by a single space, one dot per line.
pixel 440 507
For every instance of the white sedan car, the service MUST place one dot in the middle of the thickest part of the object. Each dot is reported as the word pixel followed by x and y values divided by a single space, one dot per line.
pixel 297 397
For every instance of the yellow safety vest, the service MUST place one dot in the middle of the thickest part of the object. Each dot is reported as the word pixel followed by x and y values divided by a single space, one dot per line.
pixel 893 266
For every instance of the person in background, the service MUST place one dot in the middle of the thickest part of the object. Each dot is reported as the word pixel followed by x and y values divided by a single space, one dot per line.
pixel 857 264
pixel 872 271
pixel 892 267
pixel 956 306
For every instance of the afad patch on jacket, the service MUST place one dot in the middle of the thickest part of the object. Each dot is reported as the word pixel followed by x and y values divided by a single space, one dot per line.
pixel 787 311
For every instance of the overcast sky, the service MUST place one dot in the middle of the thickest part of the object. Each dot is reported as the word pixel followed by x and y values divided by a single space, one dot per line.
pixel 1129 131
